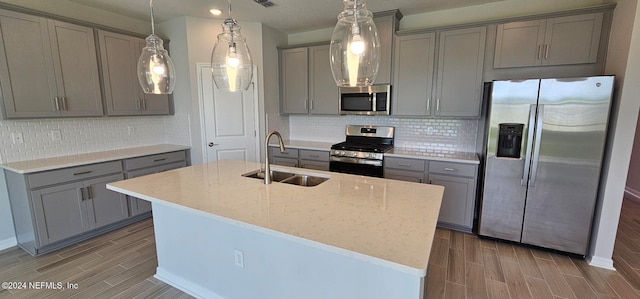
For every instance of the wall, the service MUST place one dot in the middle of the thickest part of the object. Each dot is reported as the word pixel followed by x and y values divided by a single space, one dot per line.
pixel 432 135
pixel 625 44
pixel 192 40
pixel 633 176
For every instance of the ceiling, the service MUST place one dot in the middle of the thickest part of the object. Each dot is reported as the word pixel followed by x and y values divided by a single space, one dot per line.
pixel 289 16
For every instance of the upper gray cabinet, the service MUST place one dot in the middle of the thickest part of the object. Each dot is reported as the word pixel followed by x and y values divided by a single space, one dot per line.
pixel 387 23
pixel 413 74
pixel 48 68
pixel 294 80
pixel 460 67
pixel 458 80
pixel 123 95
pixel 323 91
pixel 306 81
pixel 554 41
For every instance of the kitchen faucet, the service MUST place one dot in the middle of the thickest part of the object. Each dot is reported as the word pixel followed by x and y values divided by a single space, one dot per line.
pixel 267 168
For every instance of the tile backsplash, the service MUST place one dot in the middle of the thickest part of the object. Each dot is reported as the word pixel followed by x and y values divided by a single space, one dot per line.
pixel 82 135
pixel 434 135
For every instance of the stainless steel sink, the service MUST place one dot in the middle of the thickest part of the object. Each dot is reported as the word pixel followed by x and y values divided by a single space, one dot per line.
pixel 276 176
pixel 289 178
pixel 304 180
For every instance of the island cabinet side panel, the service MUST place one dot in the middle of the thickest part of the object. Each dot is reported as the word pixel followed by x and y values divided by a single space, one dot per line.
pixel 209 257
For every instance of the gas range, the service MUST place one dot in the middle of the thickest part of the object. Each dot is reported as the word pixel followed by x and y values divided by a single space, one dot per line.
pixel 363 151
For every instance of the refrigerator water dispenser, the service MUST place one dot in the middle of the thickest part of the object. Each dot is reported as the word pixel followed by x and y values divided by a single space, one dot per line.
pixel 509 140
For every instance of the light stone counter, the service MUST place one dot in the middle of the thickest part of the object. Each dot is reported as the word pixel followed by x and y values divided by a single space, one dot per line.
pixel 459 157
pixel 384 222
pixel 30 166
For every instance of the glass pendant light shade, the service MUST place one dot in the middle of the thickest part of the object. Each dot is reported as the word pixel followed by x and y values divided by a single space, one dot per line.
pixel 355 46
pixel 156 72
pixel 231 63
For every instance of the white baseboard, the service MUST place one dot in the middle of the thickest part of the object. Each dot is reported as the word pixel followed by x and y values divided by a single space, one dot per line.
pixel 184 285
pixel 8 243
pixel 600 262
pixel 632 194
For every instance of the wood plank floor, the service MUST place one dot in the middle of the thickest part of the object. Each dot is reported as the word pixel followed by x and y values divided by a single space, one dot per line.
pixel 121 264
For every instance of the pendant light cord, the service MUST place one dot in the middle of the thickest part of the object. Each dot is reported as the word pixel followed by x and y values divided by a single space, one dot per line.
pixel 153 26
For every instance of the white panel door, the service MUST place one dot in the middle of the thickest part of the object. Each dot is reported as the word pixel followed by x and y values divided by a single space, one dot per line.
pixel 230 129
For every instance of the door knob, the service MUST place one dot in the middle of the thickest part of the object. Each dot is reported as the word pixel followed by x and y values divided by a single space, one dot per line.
pixel 211 144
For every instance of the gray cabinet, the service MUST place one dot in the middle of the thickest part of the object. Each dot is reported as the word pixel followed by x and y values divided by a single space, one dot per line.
pixel 287 158
pixel 303 158
pixel 554 41
pixel 312 159
pixel 60 207
pixel 403 169
pixel 306 81
pixel 413 74
pixel 459 76
pixel 123 96
pixel 387 23
pixel 458 80
pixel 136 167
pixel 458 202
pixel 48 68
pixel 323 91
pixel 53 208
pixel 294 80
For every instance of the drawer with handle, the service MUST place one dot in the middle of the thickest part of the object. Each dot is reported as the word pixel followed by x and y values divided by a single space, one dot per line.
pixel 65 175
pixel 406 164
pixel 314 155
pixel 288 152
pixel 452 168
pixel 153 160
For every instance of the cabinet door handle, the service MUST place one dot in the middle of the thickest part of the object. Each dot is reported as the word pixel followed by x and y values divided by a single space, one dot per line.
pixel 81 191
pixel 546 52
pixel 450 169
pixel 428 104
pixel 144 104
pixel 539 54
pixel 404 164
pixel 438 105
pixel 284 153
pixel 89 193
pixel 138 104
pixel 56 102
pixel 63 100
pixel 81 173
pixel 420 180
pixel 310 104
pixel 158 160
pixel 314 156
pixel 306 105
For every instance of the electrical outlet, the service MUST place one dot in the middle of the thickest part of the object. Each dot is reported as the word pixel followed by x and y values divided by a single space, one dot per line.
pixel 17 138
pixel 131 130
pixel 238 257
pixel 56 135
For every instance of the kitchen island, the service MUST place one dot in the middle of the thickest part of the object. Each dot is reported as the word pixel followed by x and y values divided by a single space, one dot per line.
pixel 221 235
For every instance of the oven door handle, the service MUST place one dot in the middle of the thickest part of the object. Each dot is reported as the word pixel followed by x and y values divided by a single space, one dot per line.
pixel 355 160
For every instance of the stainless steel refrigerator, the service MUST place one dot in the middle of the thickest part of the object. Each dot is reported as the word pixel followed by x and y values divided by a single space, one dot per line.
pixel 545 144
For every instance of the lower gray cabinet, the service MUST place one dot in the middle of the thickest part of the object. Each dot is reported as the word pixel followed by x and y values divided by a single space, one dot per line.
pixel 303 158
pixel 59 207
pixel 459 180
pixel 139 206
pixel 311 159
pixel 67 210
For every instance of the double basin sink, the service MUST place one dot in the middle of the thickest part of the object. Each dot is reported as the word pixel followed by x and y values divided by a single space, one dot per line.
pixel 299 179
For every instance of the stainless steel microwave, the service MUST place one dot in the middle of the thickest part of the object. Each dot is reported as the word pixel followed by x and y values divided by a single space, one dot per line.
pixel 368 100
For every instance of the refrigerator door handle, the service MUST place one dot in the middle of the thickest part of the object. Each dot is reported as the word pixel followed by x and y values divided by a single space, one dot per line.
pixel 536 151
pixel 527 156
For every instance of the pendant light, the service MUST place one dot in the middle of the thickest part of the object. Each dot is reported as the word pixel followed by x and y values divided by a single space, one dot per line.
pixel 355 47
pixel 156 73
pixel 231 63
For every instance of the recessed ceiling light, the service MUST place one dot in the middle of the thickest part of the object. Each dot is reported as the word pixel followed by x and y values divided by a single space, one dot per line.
pixel 215 11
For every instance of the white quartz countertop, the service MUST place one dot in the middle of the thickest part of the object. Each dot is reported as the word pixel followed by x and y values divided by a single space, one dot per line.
pixel 411 153
pixel 30 166
pixel 386 222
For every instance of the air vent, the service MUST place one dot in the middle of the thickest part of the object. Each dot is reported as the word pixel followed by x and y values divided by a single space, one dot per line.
pixel 265 3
